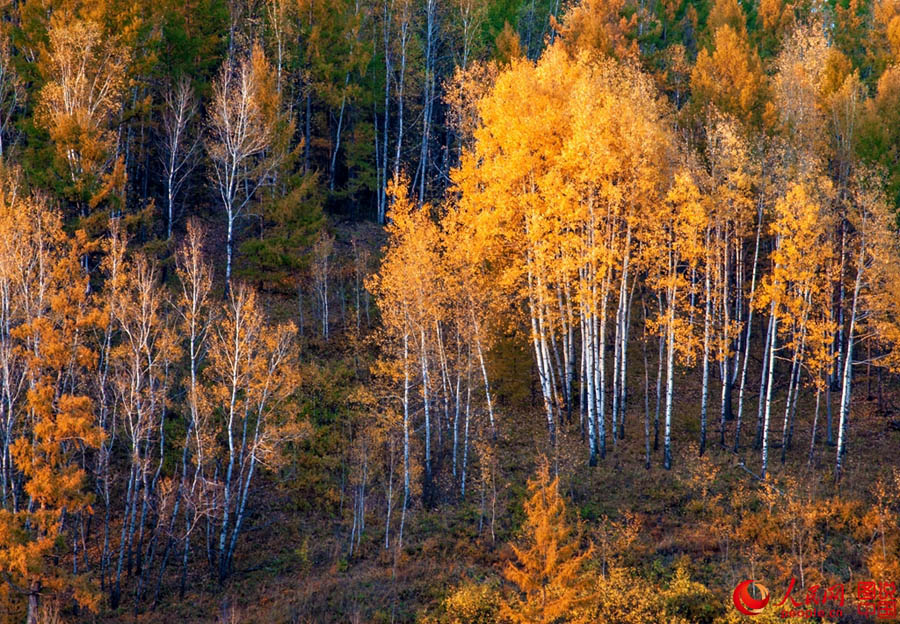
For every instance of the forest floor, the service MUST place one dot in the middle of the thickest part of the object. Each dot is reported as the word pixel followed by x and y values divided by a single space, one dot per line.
pixel 293 564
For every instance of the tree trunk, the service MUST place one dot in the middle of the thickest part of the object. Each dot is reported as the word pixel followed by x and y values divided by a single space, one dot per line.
pixel 707 321
pixel 765 432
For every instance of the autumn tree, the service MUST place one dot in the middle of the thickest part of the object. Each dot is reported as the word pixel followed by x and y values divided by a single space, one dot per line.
pixel 52 422
pixel 572 193
pixel 599 27
pixel 408 296
pixel 179 142
pixel 548 569
pixel 250 376
pixel 196 317
pixel 871 245
pixel 678 250
pixel 85 82
pixel 878 130
pixel 798 93
pixel 795 292
pixel 139 364
pixel 729 177
pixel 730 77
pixel 245 141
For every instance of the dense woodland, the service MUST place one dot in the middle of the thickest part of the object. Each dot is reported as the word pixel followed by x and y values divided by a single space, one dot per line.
pixel 451 312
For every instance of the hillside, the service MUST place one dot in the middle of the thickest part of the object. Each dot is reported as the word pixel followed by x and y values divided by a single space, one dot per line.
pixel 474 311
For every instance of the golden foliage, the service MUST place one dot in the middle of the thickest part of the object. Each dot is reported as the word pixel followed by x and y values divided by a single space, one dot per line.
pixel 599 27
pixel 47 309
pixel 86 78
pixel 730 77
pixel 548 571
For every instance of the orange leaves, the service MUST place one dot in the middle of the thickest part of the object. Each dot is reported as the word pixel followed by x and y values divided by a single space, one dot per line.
pixel 47 313
pixel 85 73
pixel 252 370
pixel 599 27
pixel 730 76
pixel 878 526
pixel 873 241
pixel 550 188
pixel 798 88
pixel 800 226
pixel 248 136
pixel 244 115
pixel 195 277
pixel 548 569
pixel 408 284
pixel 462 92
pixel 687 217
pixel 727 13
pixel 799 283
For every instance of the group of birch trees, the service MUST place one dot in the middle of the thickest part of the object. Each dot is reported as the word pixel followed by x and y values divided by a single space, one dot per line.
pixel 99 371
pixel 736 275
pixel 435 337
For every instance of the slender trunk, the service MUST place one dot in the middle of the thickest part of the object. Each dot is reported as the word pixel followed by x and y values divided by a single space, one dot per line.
pixel 601 369
pixel 670 366
pixel 465 457
pixel 427 401
pixel 646 387
pixel 659 371
pixel 588 350
pixel 765 433
pixel 484 375
pixel 337 138
pixel 456 404
pixel 737 427
pixel 382 196
pixel 229 251
pixel 406 466
pixel 404 30
pixel 428 94
pixel 812 440
pixel 787 433
pixel 538 342
pixel 707 321
pixel 847 377
pixel 762 382
pixel 390 497
pixel 725 412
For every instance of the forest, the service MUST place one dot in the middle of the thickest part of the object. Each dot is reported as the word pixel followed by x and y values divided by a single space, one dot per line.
pixel 449 312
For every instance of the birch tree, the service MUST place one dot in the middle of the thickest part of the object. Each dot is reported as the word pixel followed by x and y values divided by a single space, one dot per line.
pixel 407 294
pixel 180 143
pixel 244 142
pixel 250 376
pixel 86 81
pixel 195 311
pixel 678 249
pixel 54 419
pixel 871 243
pixel 138 365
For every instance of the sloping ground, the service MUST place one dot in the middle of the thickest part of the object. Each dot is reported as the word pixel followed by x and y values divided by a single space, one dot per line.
pixel 295 566
pixel 293 563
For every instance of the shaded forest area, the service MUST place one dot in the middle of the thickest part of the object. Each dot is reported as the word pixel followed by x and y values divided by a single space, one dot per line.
pixel 444 312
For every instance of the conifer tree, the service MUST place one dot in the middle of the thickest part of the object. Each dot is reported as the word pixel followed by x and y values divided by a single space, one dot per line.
pixel 548 572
